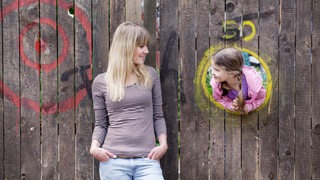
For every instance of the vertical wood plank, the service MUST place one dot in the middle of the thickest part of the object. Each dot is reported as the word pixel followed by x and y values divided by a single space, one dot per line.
pixel 303 91
pixel 233 122
pixel 286 89
pixel 66 74
pixel 202 121
pixel 30 91
pixel 117 14
pixel 315 136
pixel 269 115
pixel 100 40
pixel 150 24
pixel 217 121
pixel 249 143
pixel 134 11
pixel 188 126
pixel 100 36
pixel 233 147
pixel 1 98
pixel 48 78
pixel 11 90
pixel 83 80
pixel 169 76
pixel 315 92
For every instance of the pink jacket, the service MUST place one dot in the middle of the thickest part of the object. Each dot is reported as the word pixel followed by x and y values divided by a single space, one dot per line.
pixel 256 91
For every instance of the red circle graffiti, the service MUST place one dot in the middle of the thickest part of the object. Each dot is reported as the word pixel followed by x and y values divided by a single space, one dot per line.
pixel 62 56
pixel 71 101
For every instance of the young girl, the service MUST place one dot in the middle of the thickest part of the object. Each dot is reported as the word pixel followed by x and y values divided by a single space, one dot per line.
pixel 235 86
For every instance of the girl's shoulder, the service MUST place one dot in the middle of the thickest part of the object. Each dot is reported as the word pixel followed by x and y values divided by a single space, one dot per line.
pixel 216 86
pixel 253 78
pixel 251 73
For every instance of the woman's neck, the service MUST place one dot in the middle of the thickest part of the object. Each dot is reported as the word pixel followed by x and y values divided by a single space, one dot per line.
pixel 131 79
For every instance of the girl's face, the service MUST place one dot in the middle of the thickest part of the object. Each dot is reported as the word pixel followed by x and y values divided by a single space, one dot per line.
pixel 140 54
pixel 219 73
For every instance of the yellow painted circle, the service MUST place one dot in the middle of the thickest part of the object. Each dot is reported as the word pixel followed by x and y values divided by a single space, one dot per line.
pixel 202 82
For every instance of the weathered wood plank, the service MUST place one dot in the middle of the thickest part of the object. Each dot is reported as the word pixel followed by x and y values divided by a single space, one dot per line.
pixel 66 74
pixel 286 89
pixel 233 147
pixel 150 25
pixel 100 40
pixel 11 90
pixel 303 90
pixel 233 10
pixel 100 35
pixel 217 120
pixel 169 76
pixel 315 136
pixel 249 33
pixel 233 122
pixel 30 91
pixel 249 146
pixel 188 114
pixel 117 14
pixel 1 100
pixel 84 111
pixel 134 11
pixel 269 114
pixel 49 96
pixel 203 115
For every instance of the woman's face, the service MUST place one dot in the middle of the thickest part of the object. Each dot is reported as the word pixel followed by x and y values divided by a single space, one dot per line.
pixel 140 54
pixel 219 73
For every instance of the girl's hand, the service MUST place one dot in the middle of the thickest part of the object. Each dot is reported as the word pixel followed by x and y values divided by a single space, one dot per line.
pixel 235 106
pixel 101 154
pixel 245 110
pixel 157 152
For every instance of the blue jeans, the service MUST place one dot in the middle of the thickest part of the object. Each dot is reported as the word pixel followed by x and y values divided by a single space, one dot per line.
pixel 129 169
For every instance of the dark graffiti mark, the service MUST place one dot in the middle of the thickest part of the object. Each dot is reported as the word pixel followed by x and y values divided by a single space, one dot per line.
pixel 232 31
pixel 252 16
pixel 165 71
pixel 82 70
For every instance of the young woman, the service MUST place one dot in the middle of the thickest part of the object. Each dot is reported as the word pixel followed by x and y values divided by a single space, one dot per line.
pixel 128 111
pixel 235 86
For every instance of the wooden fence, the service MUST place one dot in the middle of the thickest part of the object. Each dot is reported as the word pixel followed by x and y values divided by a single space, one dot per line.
pixel 51 50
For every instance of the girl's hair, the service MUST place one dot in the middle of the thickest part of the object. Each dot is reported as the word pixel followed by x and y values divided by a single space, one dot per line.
pixel 126 38
pixel 232 61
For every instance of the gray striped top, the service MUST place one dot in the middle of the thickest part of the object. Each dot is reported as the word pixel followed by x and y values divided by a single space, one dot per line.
pixel 128 127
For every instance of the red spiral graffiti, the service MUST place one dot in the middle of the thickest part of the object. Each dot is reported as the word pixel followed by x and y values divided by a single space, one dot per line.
pixel 66 104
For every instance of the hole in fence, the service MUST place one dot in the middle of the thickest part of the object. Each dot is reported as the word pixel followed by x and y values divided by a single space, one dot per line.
pixel 204 75
pixel 230 6
pixel 71 11
pixel 316 129
pixel 24 176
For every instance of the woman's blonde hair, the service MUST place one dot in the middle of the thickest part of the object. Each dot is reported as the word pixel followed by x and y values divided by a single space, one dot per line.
pixel 126 38
pixel 232 61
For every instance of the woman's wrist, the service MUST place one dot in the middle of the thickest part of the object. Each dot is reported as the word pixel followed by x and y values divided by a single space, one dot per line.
pixel 94 146
pixel 164 147
pixel 93 149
